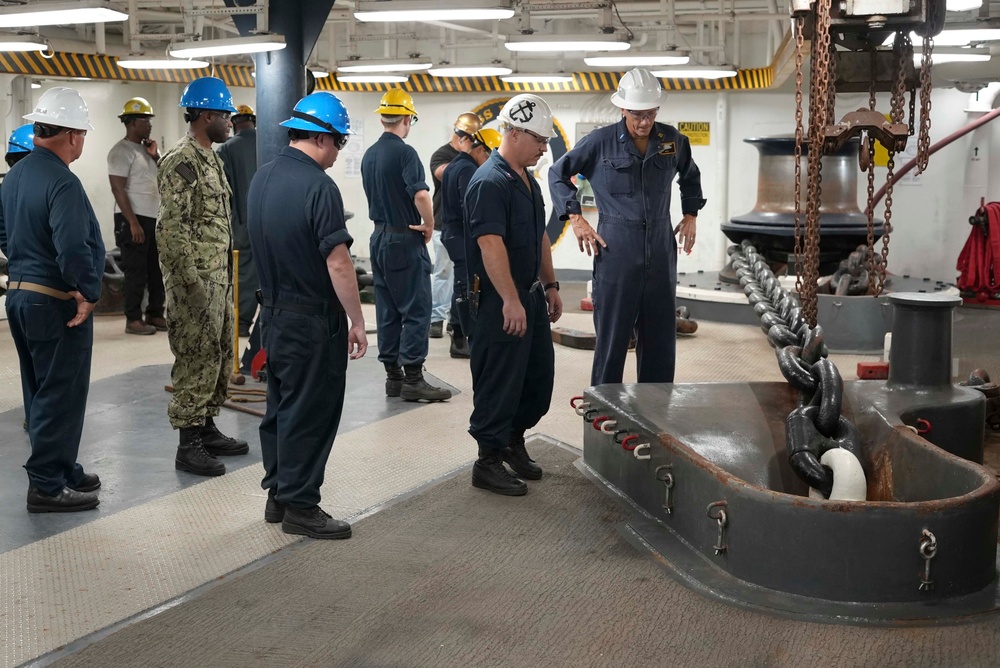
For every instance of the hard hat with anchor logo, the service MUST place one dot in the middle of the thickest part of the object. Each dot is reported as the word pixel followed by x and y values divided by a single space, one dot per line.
pixel 528 112
pixel 638 90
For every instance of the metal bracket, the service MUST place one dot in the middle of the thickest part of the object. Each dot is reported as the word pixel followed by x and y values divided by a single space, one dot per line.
pixel 723 520
pixel 665 474
pixel 928 550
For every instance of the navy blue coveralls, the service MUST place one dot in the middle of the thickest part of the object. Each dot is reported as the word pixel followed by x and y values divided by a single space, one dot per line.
pixel 51 237
pixel 635 277
pixel 512 376
pixel 454 184
pixel 296 219
pixel 401 267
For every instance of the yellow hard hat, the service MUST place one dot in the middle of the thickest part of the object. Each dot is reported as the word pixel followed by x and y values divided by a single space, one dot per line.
pixel 489 138
pixel 396 102
pixel 244 110
pixel 469 123
pixel 137 106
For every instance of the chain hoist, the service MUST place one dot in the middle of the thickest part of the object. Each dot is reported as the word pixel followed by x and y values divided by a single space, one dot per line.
pixel 860 25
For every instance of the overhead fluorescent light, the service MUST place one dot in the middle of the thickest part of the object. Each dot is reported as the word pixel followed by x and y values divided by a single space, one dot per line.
pixel 657 59
pixel 963 5
pixel 319 73
pixel 953 55
pixel 372 78
pixel 522 77
pixel 132 63
pixel 207 48
pixel 469 71
pixel 696 72
pixel 384 65
pixel 35 84
pixel 958 37
pixel 60 13
pixel 22 43
pixel 421 10
pixel 612 42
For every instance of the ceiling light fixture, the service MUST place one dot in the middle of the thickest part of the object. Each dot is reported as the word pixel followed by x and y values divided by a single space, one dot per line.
pixel 958 37
pixel 697 72
pixel 372 78
pixel 138 63
pixel 469 71
pixel 207 48
pixel 946 55
pixel 22 43
pixel 658 59
pixel 609 42
pixel 319 73
pixel 963 5
pixel 422 10
pixel 361 66
pixel 60 13
pixel 522 77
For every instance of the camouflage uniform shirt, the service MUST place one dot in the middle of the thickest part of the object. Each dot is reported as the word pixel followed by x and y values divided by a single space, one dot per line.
pixel 192 229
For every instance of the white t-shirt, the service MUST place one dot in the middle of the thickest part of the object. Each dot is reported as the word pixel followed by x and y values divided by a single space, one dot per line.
pixel 129 159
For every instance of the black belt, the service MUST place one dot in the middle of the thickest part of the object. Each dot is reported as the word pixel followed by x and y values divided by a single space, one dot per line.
pixel 382 227
pixel 323 308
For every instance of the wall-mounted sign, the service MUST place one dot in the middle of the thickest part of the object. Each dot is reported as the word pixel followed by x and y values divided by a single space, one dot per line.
pixel 697 132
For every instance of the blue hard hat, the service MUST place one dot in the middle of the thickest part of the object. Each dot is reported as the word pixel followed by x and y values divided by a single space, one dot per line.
pixel 22 140
pixel 207 93
pixel 320 112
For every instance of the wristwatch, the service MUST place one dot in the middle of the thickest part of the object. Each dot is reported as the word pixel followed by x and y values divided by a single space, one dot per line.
pixel 553 284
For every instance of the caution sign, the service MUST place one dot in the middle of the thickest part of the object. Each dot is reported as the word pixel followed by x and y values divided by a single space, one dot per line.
pixel 698 134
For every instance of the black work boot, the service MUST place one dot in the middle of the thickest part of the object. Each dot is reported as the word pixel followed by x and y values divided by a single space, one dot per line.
pixel 460 347
pixel 90 482
pixel 393 380
pixel 274 510
pixel 517 458
pixel 218 444
pixel 415 388
pixel 66 501
pixel 490 474
pixel 313 522
pixel 192 456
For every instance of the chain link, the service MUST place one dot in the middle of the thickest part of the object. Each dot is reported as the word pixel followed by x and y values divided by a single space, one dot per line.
pixel 924 138
pixel 820 86
pixel 869 146
pixel 797 27
pixel 817 424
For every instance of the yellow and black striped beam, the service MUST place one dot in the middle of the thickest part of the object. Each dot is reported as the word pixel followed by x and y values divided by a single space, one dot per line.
pixel 105 67
pixel 94 66
pixel 583 82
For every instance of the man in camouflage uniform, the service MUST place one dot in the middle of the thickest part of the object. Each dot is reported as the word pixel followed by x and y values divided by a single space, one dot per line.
pixel 194 241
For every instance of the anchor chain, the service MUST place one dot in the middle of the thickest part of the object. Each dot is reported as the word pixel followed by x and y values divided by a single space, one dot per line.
pixel 816 424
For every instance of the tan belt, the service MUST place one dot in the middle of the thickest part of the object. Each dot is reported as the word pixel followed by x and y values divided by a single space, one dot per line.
pixel 43 289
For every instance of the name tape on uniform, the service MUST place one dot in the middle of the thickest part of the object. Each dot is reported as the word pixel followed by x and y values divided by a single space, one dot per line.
pixel 698 133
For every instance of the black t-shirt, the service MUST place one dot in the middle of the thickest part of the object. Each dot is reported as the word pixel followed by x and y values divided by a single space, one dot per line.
pixel 442 156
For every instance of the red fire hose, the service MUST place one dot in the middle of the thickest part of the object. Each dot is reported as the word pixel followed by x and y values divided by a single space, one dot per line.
pixel 978 260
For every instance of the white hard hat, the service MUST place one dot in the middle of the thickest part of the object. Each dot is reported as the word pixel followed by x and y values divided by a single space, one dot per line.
pixel 638 90
pixel 63 108
pixel 528 112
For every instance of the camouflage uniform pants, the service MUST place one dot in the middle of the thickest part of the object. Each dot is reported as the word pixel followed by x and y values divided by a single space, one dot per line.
pixel 201 339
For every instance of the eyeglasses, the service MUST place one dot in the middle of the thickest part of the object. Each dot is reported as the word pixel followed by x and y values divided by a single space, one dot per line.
pixel 643 115
pixel 538 138
pixel 340 141
pixel 224 115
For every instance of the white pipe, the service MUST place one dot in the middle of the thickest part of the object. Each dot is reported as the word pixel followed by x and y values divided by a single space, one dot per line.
pixel 849 482
pixel 722 161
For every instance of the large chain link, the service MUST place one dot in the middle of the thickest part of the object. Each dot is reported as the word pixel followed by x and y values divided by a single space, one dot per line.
pixel 797 27
pixel 817 424
pixel 869 147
